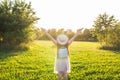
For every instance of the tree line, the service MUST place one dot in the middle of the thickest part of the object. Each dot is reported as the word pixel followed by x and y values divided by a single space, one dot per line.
pixel 84 36
pixel 17 19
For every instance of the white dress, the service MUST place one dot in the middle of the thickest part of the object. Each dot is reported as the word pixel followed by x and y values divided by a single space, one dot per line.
pixel 62 62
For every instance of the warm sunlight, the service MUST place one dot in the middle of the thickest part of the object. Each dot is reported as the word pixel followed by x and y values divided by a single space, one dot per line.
pixel 72 40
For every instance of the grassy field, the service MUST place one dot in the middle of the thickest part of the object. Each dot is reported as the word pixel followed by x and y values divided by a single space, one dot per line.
pixel 37 63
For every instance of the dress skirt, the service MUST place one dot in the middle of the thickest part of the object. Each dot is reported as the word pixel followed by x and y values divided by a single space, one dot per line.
pixel 62 65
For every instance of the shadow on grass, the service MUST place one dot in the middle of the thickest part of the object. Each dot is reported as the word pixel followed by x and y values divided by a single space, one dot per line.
pixel 8 52
pixel 113 49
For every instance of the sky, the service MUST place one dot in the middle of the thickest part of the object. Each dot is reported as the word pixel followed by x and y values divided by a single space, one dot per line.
pixel 73 14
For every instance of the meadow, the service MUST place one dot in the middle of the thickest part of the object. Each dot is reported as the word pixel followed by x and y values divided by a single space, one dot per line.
pixel 88 62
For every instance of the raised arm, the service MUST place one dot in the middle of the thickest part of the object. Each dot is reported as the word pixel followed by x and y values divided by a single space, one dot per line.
pixel 72 39
pixel 54 41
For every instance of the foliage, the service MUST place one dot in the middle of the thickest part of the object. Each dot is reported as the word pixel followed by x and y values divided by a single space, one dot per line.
pixel 40 35
pixel 53 32
pixel 87 62
pixel 16 22
pixel 107 30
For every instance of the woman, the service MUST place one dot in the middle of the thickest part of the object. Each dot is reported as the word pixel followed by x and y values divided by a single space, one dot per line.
pixel 62 61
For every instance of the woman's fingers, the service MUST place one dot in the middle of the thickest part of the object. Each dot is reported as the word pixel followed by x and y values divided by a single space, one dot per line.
pixel 43 29
pixel 79 30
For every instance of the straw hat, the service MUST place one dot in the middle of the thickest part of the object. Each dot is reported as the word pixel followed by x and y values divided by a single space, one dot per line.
pixel 62 39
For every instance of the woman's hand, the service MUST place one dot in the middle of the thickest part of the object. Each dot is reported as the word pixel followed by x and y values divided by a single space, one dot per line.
pixel 44 30
pixel 79 30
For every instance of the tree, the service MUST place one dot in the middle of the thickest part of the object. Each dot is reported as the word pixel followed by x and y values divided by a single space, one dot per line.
pixel 105 28
pixel 16 22
pixel 86 35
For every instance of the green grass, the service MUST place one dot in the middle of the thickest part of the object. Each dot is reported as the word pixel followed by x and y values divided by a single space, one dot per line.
pixel 37 63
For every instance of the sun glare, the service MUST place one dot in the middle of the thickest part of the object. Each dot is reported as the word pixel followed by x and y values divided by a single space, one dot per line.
pixel 72 14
